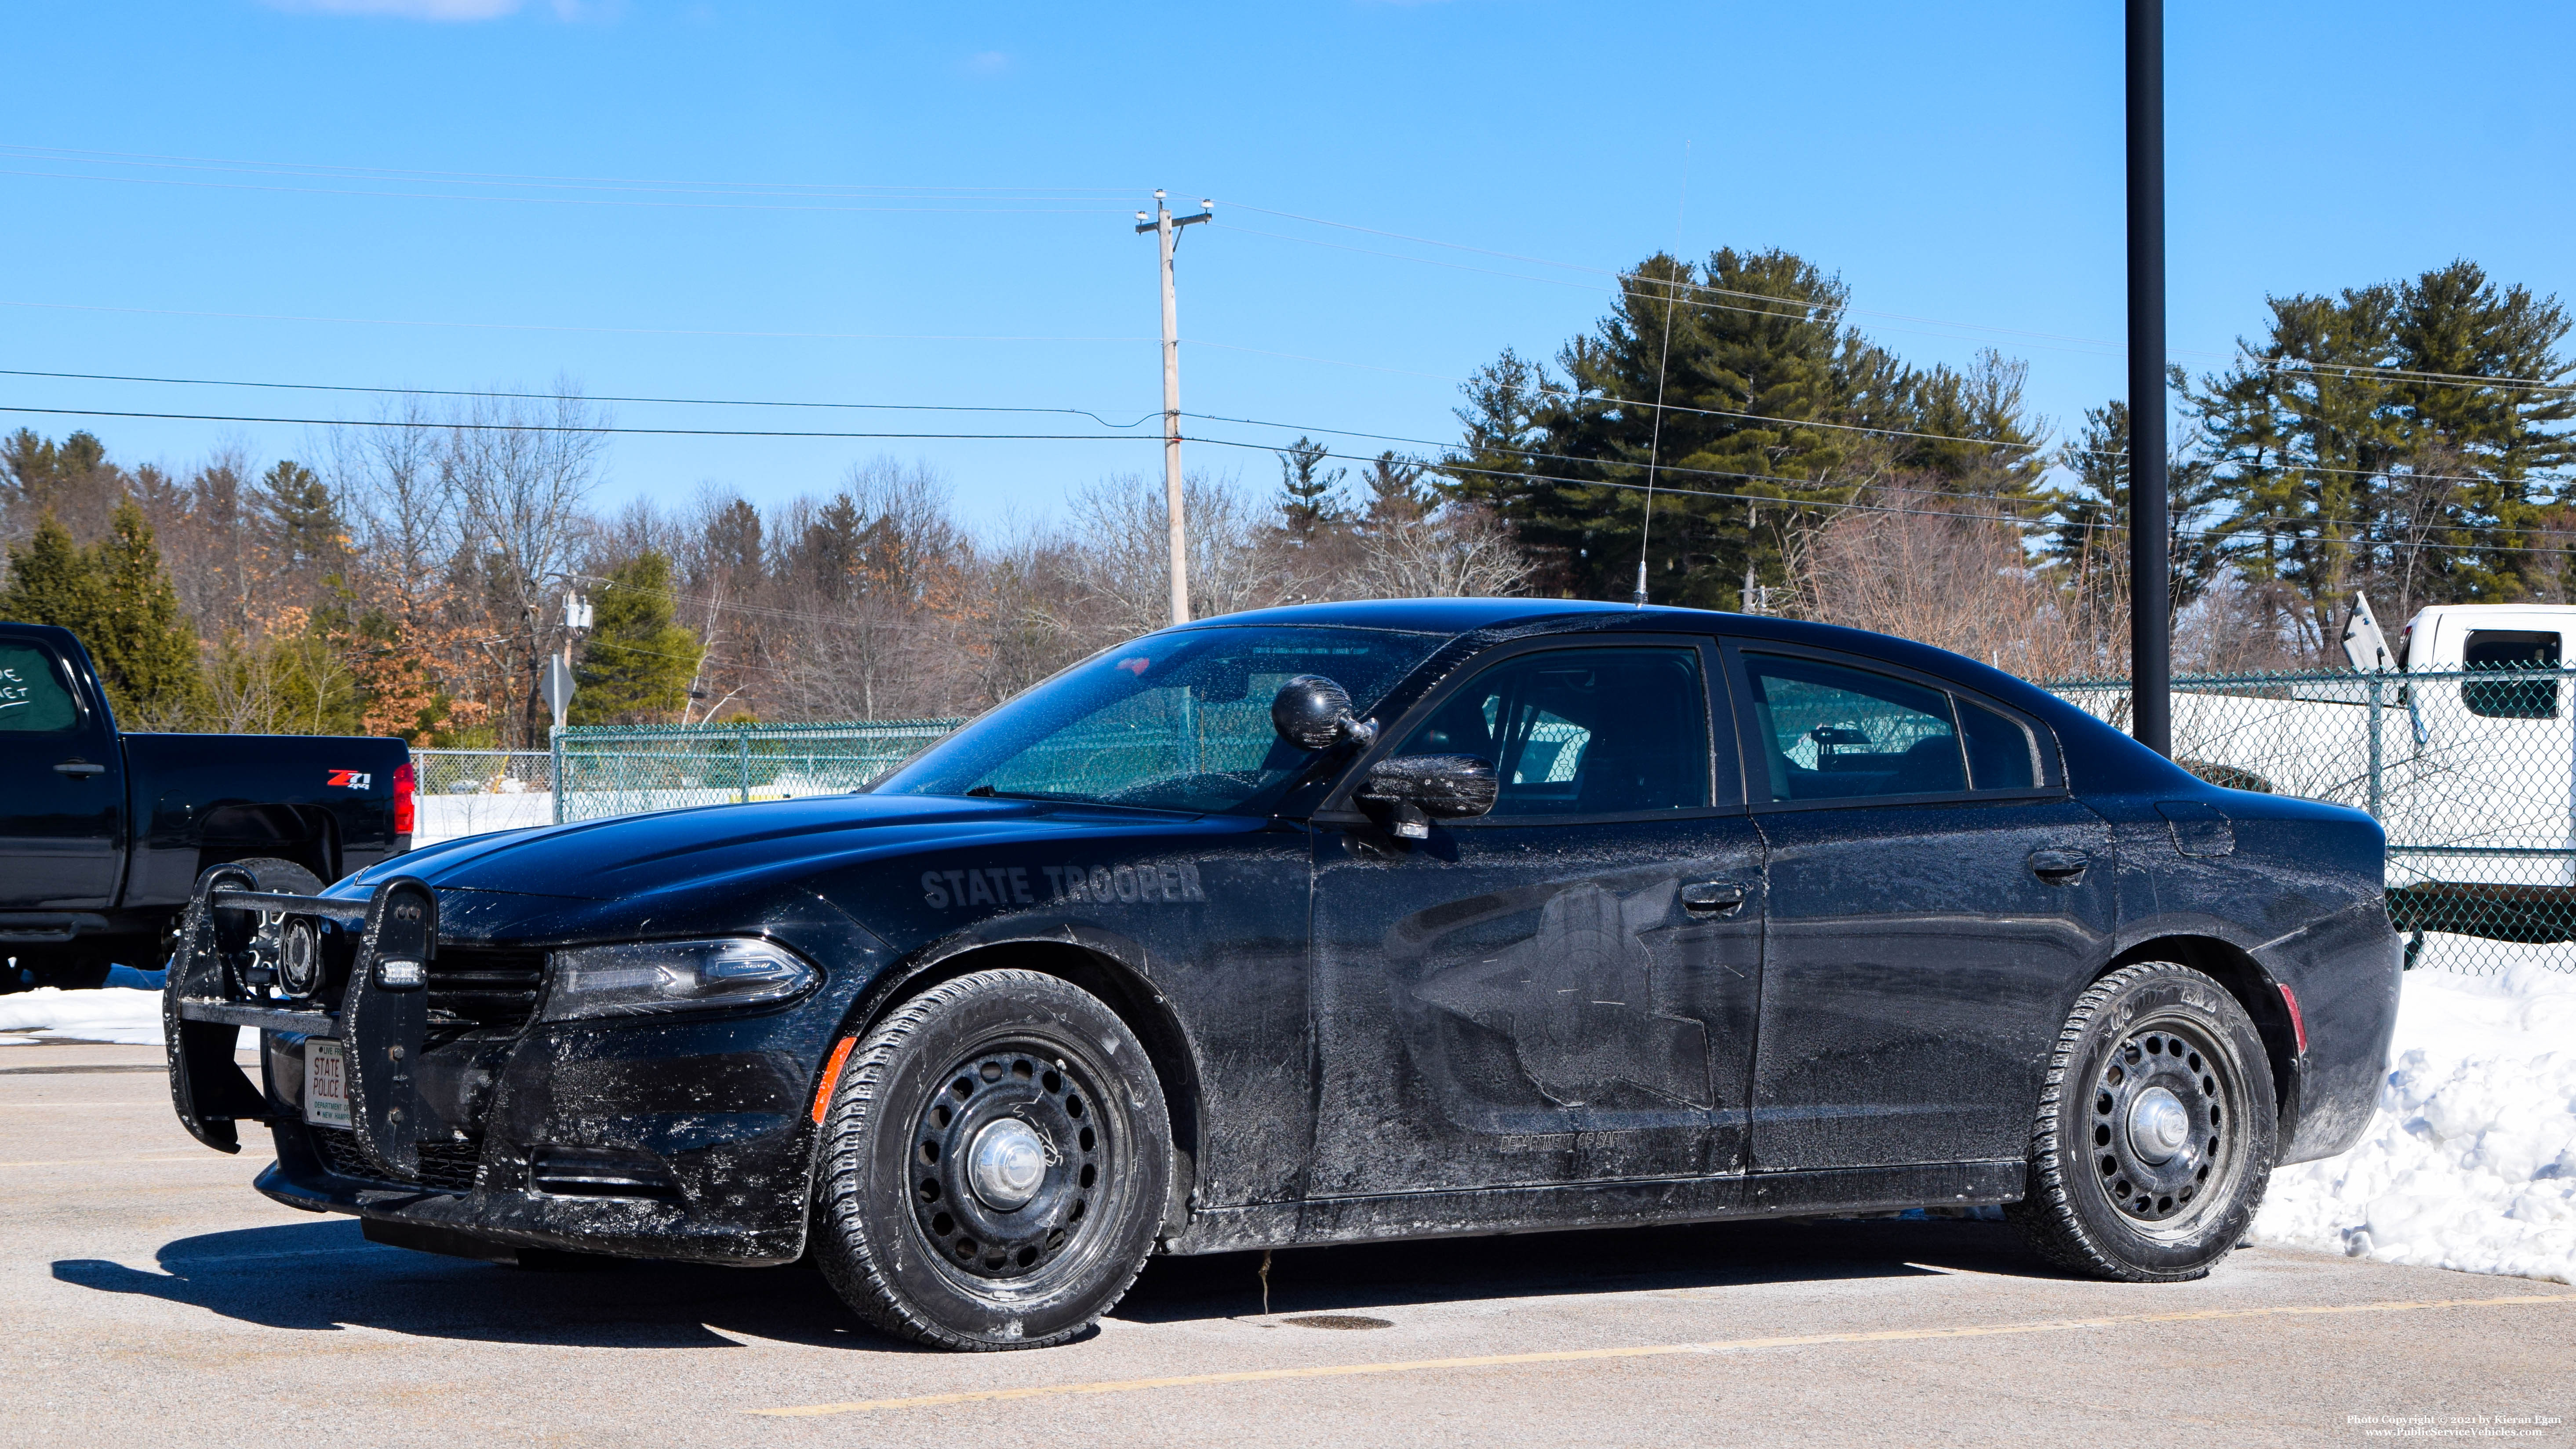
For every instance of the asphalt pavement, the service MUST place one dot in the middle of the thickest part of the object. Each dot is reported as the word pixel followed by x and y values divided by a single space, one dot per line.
pixel 148 1296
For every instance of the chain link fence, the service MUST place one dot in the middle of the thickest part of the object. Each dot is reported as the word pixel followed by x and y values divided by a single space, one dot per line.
pixel 469 792
pixel 623 770
pixel 2471 772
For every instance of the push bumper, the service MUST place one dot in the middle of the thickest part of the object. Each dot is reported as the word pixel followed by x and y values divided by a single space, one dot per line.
pixel 675 1138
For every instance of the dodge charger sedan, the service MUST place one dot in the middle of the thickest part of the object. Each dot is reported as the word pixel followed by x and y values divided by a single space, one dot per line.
pixel 1331 924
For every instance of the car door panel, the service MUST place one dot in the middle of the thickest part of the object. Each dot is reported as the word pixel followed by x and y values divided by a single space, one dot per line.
pixel 62 786
pixel 1915 969
pixel 1926 930
pixel 1539 997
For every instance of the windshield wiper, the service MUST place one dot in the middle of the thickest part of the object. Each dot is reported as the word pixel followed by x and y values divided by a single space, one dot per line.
pixel 987 792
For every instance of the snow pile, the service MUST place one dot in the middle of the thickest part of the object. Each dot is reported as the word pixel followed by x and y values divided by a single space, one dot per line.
pixel 2470 1162
pixel 128 1015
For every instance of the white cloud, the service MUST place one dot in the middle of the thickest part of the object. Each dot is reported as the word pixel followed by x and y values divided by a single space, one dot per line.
pixel 406 9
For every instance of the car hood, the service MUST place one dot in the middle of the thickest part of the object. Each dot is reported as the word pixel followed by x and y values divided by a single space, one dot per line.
pixel 719 846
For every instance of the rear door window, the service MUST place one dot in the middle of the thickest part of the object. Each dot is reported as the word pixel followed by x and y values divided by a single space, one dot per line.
pixel 2002 753
pixel 1831 733
pixel 2514 650
pixel 33 697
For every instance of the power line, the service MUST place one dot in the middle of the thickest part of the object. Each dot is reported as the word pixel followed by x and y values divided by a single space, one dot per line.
pixel 566 397
pixel 598 428
pixel 1078 412
pixel 1571 399
pixel 855 435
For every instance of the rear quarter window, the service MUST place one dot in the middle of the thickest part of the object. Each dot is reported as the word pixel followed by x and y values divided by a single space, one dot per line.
pixel 33 699
pixel 2511 649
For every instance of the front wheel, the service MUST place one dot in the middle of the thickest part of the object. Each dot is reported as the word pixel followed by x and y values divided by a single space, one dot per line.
pixel 994 1167
pixel 2155 1132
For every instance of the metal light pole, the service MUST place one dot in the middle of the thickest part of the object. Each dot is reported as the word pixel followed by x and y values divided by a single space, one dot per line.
pixel 1167 238
pixel 2150 587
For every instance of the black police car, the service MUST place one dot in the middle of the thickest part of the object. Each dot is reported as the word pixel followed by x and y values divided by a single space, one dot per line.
pixel 1326 924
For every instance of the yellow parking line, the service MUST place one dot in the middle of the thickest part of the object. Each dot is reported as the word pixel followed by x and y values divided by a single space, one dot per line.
pixel 121 1161
pixel 1580 1355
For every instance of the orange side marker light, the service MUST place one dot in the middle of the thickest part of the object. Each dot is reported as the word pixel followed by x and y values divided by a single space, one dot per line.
pixel 831 1075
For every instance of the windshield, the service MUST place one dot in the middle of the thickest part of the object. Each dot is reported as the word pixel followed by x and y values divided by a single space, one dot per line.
pixel 1177 721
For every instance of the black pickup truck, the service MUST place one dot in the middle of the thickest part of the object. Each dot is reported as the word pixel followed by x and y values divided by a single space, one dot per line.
pixel 102 834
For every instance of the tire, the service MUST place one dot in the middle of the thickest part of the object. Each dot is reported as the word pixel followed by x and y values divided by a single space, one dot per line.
pixel 281 877
pixel 2100 1201
pixel 922 1248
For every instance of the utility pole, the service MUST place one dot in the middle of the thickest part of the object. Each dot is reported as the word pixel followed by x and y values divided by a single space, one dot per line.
pixel 2150 584
pixel 1167 238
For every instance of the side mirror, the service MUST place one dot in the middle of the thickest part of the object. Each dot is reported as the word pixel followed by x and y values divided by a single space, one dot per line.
pixel 1418 789
pixel 1313 713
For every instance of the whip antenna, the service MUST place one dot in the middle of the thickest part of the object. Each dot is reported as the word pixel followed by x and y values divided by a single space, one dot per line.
pixel 1663 364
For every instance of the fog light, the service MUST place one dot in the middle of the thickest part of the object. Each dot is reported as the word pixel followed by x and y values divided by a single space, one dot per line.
pixel 400 975
pixel 299 959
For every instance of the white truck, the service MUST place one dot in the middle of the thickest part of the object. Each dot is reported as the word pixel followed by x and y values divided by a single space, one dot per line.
pixel 2459 737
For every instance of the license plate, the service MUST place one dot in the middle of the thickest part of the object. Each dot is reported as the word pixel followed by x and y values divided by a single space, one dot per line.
pixel 326 1083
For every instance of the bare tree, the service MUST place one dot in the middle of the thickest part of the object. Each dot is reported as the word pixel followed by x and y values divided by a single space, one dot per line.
pixel 1955 581
pixel 1458 550
pixel 1124 570
pixel 521 469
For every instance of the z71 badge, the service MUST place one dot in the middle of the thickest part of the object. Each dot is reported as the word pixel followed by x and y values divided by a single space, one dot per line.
pixel 348 780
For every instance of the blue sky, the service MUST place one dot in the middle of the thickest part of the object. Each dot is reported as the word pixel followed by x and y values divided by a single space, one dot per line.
pixel 931 205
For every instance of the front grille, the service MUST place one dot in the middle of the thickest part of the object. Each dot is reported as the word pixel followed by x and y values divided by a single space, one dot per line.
pixel 479 986
pixel 449 1166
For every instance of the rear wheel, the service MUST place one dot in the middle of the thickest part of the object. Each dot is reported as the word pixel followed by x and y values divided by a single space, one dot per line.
pixel 2155 1133
pixel 994 1165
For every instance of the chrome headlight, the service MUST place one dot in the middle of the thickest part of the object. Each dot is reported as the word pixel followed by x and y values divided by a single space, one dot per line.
pixel 657 976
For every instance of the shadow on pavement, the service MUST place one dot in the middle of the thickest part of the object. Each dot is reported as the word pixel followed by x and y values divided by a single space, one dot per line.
pixel 322 1276
pixel 1542 1265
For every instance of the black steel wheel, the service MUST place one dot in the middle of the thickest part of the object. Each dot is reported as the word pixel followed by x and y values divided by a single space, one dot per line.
pixel 995 1162
pixel 2155 1134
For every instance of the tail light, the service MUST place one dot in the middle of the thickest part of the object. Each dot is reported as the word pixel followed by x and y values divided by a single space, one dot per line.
pixel 403 807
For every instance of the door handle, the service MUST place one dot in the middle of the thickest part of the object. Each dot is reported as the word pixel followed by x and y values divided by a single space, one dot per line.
pixel 1713 898
pixel 2059 867
pixel 79 767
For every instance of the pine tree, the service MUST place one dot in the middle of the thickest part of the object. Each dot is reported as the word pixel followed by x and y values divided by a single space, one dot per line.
pixel 2089 539
pixel 639 661
pixel 71 480
pixel 141 641
pixel 1397 495
pixel 2390 439
pixel 1309 498
pixel 52 580
pixel 1749 360
pixel 300 518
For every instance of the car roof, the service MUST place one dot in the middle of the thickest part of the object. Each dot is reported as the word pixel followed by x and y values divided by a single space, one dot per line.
pixel 1540 616
pixel 1429 616
pixel 1467 616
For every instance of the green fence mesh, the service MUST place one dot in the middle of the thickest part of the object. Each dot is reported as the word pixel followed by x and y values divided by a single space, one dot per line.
pixel 2472 773
pixel 613 770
